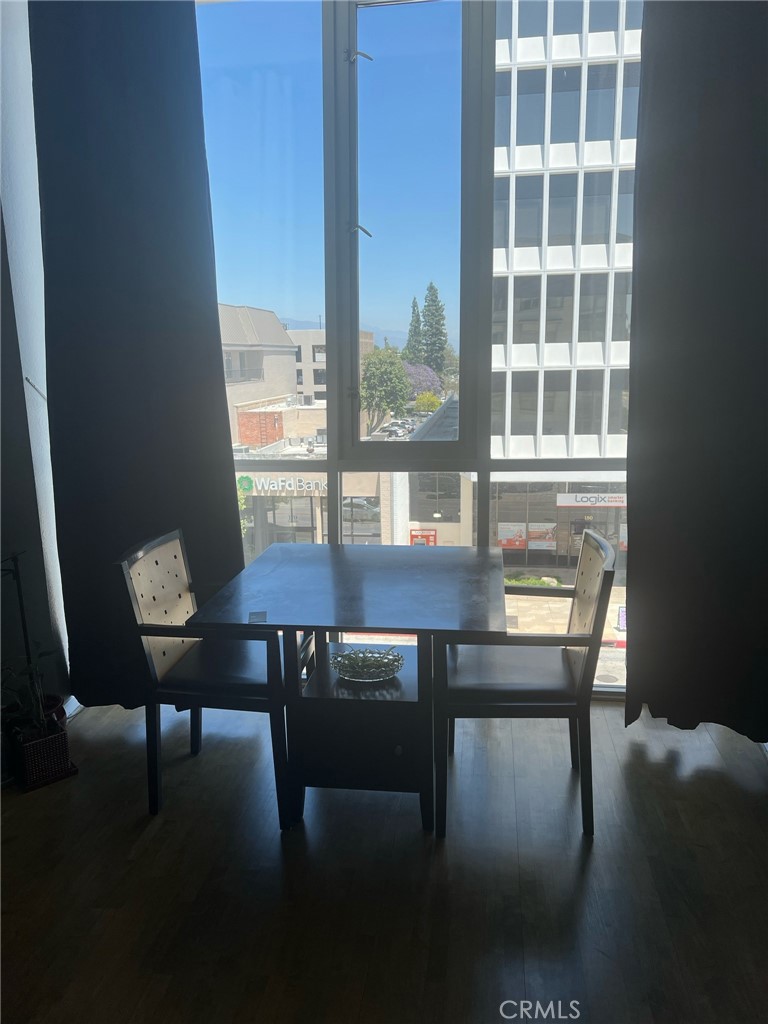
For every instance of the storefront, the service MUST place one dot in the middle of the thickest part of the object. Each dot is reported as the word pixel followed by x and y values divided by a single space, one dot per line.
pixel 540 525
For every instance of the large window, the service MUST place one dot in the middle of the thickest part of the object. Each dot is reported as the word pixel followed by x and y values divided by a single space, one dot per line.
pixel 618 402
pixel 527 310
pixel 604 16
pixel 601 101
pixel 503 107
pixel 596 223
pixel 529 190
pixel 556 402
pixel 562 209
pixel 501 213
pixel 524 404
pixel 500 302
pixel 559 323
pixel 625 207
pixel 593 303
pixel 530 107
pixel 531 18
pixel 462 226
pixel 589 402
pixel 630 100
pixel 568 17
pixel 566 98
pixel 622 307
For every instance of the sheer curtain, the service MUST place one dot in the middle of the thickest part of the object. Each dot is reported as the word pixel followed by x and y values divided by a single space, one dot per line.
pixel 697 475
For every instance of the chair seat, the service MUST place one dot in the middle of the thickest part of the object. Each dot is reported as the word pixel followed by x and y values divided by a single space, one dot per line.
pixel 237 667
pixel 499 674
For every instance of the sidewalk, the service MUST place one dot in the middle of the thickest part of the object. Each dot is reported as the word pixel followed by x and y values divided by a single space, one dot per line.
pixel 545 615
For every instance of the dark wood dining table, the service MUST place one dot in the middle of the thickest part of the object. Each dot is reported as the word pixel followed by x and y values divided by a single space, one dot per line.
pixel 362 736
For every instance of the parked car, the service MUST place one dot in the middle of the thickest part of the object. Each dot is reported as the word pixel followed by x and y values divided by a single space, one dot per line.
pixel 360 509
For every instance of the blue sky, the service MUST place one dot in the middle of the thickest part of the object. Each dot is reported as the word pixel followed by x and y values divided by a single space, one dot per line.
pixel 262 95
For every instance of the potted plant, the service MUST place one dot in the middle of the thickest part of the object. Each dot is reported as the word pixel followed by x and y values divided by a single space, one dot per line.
pixel 34 728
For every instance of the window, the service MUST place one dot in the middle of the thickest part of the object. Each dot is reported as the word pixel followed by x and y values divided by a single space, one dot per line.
pixel 500 299
pixel 622 307
pixel 603 16
pixel 318 353
pixel 503 19
pixel 501 213
pixel 531 86
pixel 618 402
pixel 498 397
pixel 528 210
pixel 300 378
pixel 532 18
pixel 630 100
pixel 503 107
pixel 559 323
pixel 566 98
pixel 625 207
pixel 601 102
pixel 256 68
pixel 589 402
pixel 320 396
pixel 634 15
pixel 562 209
pixel 527 310
pixel 568 17
pixel 407 192
pixel 596 216
pixel 556 402
pixel 319 376
pixel 593 297
pixel 524 404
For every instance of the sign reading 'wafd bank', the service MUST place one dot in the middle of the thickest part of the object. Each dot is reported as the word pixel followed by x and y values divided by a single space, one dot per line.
pixel 282 485
pixel 594 500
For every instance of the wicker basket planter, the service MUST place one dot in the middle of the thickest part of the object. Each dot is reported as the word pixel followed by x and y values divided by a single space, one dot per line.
pixel 38 762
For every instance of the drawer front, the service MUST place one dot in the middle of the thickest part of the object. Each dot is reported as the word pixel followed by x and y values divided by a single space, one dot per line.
pixel 360 745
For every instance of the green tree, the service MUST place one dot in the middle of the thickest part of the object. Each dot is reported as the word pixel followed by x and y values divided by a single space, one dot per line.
pixel 414 346
pixel 427 401
pixel 434 334
pixel 384 387
pixel 450 375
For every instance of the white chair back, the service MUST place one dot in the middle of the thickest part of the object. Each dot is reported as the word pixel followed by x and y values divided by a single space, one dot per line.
pixel 158 581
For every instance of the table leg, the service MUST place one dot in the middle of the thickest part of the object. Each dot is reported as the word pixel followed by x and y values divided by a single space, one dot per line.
pixel 427 793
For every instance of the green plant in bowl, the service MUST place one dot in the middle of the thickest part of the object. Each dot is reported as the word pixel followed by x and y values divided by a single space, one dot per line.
pixel 366 664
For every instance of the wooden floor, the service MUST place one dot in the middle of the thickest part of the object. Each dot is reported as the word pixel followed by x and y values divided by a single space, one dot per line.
pixel 207 914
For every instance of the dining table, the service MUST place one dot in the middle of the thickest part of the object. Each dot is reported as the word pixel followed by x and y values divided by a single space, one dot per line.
pixel 321 597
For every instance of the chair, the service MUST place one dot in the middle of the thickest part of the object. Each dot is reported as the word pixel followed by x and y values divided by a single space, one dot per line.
pixel 530 675
pixel 190 673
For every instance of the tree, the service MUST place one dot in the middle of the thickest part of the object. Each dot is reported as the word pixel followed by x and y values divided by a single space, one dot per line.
pixel 450 375
pixel 384 386
pixel 427 401
pixel 413 351
pixel 422 378
pixel 434 334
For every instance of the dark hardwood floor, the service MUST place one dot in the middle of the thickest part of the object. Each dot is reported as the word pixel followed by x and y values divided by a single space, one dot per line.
pixel 207 914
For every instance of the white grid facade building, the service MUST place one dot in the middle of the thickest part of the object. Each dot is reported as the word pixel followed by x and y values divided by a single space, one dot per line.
pixel 567 86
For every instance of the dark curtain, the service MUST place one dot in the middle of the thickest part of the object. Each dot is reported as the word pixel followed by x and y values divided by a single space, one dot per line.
pixel 697 468
pixel 139 433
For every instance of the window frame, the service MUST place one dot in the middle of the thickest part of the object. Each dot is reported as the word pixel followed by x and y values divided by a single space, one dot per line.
pixel 471 453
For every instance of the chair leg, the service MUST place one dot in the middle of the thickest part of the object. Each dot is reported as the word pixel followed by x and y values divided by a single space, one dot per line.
pixel 574 735
pixel 585 771
pixel 451 736
pixel 285 809
pixel 195 731
pixel 154 772
pixel 442 731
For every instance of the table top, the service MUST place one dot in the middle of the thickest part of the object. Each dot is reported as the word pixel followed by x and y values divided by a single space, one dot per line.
pixel 454 592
